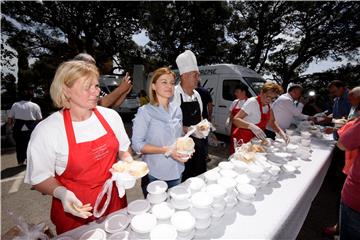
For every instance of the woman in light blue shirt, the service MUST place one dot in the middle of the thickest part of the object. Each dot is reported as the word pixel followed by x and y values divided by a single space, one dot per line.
pixel 156 127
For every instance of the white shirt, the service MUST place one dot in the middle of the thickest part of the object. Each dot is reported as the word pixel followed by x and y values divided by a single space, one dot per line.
pixel 285 111
pixel 48 149
pixel 25 110
pixel 252 109
pixel 185 97
pixel 236 104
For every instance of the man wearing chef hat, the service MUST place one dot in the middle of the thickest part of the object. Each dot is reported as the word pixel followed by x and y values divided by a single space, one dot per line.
pixel 191 105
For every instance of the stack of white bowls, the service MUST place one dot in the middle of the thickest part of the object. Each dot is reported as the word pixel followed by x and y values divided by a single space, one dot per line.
pixel 218 192
pixel 255 173
pixel 163 231
pixel 156 191
pixel 184 223
pixel 226 165
pixel 142 225
pixel 239 166
pixel 195 184
pixel 137 207
pixel 201 209
pixel 180 197
pixel 246 193
pixel 212 176
pixel 163 212
pixel 229 184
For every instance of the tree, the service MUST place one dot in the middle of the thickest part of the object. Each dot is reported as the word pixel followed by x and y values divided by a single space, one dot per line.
pixel 176 26
pixel 319 30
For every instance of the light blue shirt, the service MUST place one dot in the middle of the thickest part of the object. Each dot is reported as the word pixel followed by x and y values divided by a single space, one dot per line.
pixel 155 126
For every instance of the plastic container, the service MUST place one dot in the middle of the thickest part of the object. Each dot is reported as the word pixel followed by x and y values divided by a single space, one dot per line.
pixel 195 184
pixel 202 200
pixel 183 222
pixel 246 191
pixel 226 165
pixel 138 207
pixel 123 235
pixel 228 183
pixel 243 179
pixel 216 191
pixel 163 211
pixel 94 234
pixel 156 198
pixel 179 193
pixel 143 223
pixel 228 173
pixel 163 231
pixel 117 222
pixel 211 176
pixel 157 187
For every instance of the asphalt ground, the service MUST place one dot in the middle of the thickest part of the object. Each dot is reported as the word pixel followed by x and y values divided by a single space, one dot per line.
pixel 17 197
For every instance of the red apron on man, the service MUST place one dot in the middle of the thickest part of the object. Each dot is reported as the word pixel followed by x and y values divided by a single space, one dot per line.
pixel 245 134
pixel 86 172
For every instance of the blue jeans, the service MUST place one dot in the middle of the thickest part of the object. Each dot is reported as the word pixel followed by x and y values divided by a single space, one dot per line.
pixel 349 223
pixel 148 179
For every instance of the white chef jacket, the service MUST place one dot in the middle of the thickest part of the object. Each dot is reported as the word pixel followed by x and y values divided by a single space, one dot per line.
pixel 285 110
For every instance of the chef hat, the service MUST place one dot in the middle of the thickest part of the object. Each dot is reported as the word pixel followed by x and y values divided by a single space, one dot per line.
pixel 291 86
pixel 186 62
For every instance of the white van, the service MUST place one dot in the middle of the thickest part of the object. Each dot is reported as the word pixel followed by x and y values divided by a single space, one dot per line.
pixel 221 80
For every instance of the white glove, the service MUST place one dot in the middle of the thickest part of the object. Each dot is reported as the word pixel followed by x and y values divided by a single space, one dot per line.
pixel 257 131
pixel 71 203
pixel 284 136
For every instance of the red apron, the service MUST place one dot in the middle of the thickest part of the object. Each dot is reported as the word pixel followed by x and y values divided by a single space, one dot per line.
pixel 86 171
pixel 234 111
pixel 245 134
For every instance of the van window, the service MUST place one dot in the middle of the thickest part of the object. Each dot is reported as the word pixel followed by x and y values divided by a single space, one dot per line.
pixel 255 83
pixel 228 89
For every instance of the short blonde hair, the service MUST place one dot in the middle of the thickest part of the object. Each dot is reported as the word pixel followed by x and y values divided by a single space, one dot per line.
pixel 157 73
pixel 272 87
pixel 66 75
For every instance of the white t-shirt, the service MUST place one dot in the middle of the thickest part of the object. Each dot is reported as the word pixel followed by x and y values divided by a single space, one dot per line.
pixel 237 104
pixel 48 149
pixel 25 110
pixel 252 109
pixel 285 110
pixel 186 98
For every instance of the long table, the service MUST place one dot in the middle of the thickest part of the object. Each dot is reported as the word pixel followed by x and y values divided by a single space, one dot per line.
pixel 279 209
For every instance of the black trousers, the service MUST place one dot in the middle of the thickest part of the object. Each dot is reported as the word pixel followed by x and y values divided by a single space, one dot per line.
pixel 270 134
pixel 22 139
pixel 196 165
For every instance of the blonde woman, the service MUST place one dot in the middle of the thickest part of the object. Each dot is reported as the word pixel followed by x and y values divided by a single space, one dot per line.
pixel 256 113
pixel 70 152
pixel 157 125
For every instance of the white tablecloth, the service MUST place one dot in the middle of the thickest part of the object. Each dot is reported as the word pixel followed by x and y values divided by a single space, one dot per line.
pixel 279 209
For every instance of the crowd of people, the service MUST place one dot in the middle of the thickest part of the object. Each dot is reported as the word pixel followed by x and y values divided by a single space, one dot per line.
pixel 70 152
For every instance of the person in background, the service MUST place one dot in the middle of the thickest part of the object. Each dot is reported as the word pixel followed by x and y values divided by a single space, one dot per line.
pixel 71 151
pixel 22 118
pixel 207 111
pixel 191 106
pixel 143 98
pixel 350 195
pixel 156 127
pixel 241 93
pixel 286 108
pixel 256 113
pixel 118 95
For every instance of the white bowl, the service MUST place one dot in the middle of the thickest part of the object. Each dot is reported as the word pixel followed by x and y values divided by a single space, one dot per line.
pixel 180 204
pixel 303 154
pixel 200 213
pixel 288 168
pixel 239 166
pixel 295 139
pixel 274 170
pixel 143 223
pixel 202 200
pixel 230 201
pixel 123 235
pixel 186 235
pixel 156 198
pixel 163 231
pixel 117 222
pixel 243 179
pixel 202 223
pixel 138 207
pixel 163 211
pixel 228 173
pixel 305 142
pixel 291 148
pixel 183 221
pixel 290 132
pixel 226 165
pixel 216 191
pixel 179 192
pixel 211 176
pixel 306 134
pixel 228 183
pixel 94 234
pixel 157 187
pixel 246 191
pixel 255 171
pixel 195 184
